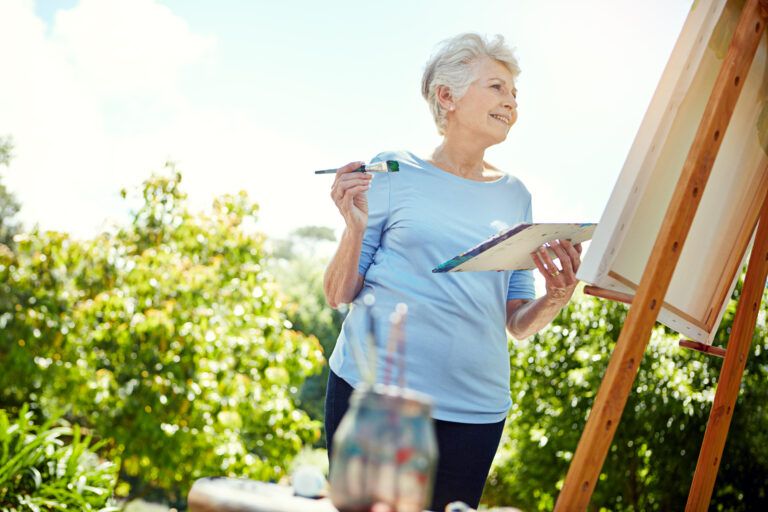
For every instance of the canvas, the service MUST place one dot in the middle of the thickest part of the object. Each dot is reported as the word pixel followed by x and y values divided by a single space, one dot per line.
pixel 715 249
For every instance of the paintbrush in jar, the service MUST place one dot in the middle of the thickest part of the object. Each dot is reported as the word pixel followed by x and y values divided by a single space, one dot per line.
pixel 402 313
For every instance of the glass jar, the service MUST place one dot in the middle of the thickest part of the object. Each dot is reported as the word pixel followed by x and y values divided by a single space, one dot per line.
pixel 385 451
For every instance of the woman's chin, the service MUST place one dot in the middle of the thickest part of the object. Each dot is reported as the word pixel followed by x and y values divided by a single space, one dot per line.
pixel 499 138
pixel 500 133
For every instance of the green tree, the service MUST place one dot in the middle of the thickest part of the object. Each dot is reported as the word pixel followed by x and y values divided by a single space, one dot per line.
pixel 6 150
pixel 9 206
pixel 167 338
pixel 298 265
pixel 650 464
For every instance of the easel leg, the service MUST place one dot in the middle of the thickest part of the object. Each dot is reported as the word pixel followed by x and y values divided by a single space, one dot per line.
pixel 732 370
pixel 617 383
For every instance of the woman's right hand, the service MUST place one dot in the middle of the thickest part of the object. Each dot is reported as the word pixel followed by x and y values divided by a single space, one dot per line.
pixel 350 193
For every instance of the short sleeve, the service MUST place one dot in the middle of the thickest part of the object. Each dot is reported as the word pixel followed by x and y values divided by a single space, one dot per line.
pixel 521 281
pixel 378 213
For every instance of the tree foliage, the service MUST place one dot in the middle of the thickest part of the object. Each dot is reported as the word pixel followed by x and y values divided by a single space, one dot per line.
pixel 299 264
pixel 9 206
pixel 167 338
pixel 6 150
pixel 651 462
pixel 169 341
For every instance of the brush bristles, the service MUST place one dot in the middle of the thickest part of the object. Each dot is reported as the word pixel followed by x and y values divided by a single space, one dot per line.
pixel 388 166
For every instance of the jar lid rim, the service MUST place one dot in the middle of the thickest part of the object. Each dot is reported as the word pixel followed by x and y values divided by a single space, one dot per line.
pixel 393 392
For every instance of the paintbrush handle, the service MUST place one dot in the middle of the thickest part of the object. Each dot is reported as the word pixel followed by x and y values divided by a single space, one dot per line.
pixel 334 171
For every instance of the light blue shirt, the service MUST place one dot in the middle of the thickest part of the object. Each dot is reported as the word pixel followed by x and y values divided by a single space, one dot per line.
pixel 455 332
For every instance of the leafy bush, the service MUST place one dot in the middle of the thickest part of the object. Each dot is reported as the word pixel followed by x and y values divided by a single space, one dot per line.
pixel 51 467
pixel 298 264
pixel 650 465
pixel 167 338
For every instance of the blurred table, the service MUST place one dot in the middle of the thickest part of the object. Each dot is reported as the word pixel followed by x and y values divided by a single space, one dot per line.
pixel 241 495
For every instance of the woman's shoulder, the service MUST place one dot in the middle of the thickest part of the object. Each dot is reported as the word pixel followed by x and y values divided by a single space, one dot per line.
pixel 401 156
pixel 507 178
pixel 516 182
pixel 515 185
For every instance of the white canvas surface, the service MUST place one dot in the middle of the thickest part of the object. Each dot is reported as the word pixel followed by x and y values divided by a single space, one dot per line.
pixel 715 250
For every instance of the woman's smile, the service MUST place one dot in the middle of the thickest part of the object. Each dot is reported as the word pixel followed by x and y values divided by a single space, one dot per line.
pixel 503 119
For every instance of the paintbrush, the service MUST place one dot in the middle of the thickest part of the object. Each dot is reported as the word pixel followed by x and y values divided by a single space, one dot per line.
pixel 392 344
pixel 402 313
pixel 366 365
pixel 388 166
pixel 369 300
pixel 363 365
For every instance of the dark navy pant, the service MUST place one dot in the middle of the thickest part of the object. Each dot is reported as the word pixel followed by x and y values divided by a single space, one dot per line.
pixel 465 450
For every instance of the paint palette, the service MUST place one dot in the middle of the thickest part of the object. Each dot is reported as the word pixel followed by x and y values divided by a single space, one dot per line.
pixel 511 249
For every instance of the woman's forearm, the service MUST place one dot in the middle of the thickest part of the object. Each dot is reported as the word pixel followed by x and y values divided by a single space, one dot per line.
pixel 342 282
pixel 530 317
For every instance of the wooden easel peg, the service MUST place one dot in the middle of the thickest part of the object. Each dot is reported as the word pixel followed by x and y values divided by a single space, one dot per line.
pixel 703 347
pixel 604 293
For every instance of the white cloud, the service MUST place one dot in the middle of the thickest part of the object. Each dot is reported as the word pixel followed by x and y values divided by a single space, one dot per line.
pixel 43 108
pixel 95 107
pixel 119 47
pixel 55 100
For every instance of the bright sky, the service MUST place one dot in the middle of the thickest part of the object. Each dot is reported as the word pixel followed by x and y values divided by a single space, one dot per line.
pixel 249 95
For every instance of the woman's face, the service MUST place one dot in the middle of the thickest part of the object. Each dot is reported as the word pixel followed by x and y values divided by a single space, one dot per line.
pixel 488 109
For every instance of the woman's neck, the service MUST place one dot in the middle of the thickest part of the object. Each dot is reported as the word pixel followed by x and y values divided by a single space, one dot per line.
pixel 461 159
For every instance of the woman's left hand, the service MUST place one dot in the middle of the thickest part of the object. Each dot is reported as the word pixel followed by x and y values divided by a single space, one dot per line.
pixel 560 281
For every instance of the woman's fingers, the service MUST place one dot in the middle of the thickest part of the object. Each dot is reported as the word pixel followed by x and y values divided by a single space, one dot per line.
pixel 544 255
pixel 350 167
pixel 539 264
pixel 562 255
pixel 342 186
pixel 569 259
pixel 342 172
pixel 547 267
pixel 351 192
pixel 560 283
pixel 352 181
pixel 573 253
pixel 348 194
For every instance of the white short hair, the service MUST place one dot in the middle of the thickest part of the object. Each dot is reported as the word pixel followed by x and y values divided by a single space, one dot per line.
pixel 453 65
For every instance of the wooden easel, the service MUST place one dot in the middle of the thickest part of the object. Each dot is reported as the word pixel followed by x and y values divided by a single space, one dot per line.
pixel 622 369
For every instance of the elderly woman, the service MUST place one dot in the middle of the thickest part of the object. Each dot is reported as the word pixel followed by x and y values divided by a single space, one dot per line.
pixel 401 225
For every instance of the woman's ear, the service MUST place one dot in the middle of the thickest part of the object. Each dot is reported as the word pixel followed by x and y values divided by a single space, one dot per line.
pixel 445 97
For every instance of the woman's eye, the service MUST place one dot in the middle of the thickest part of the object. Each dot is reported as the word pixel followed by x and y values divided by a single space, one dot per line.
pixel 497 86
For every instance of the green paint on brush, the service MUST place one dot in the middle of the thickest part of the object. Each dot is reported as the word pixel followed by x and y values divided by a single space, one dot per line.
pixel 388 166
